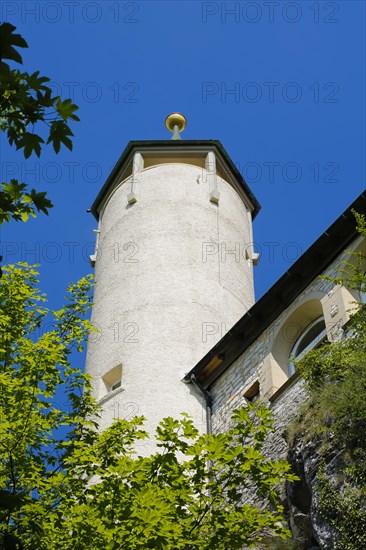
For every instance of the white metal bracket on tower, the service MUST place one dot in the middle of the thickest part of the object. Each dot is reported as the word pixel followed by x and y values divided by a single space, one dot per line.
pixel 93 257
pixel 210 165
pixel 250 254
pixel 137 166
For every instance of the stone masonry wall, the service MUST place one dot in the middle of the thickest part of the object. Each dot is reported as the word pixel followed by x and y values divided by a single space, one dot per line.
pixel 253 365
pixel 228 391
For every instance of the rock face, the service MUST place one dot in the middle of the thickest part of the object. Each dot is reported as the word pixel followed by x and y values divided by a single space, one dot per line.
pixel 306 524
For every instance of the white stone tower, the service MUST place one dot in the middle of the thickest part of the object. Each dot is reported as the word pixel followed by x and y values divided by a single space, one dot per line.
pixel 173 271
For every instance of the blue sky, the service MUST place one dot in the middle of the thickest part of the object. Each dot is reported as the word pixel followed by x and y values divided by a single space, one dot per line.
pixel 280 84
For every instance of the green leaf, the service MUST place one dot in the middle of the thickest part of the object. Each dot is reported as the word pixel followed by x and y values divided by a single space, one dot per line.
pixel 66 109
pixel 40 200
pixel 59 134
pixel 37 83
pixel 27 103
pixel 7 42
pixel 31 143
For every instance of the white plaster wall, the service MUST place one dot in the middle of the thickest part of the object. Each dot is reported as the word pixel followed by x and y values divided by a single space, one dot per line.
pixel 160 302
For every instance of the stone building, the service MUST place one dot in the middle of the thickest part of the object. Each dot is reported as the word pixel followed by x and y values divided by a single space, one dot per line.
pixel 299 312
pixel 174 265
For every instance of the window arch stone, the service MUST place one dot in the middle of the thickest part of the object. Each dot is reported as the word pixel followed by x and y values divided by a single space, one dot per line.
pixel 358 256
pixel 276 365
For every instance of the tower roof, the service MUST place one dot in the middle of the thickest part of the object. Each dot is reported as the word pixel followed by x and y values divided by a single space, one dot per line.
pixel 184 146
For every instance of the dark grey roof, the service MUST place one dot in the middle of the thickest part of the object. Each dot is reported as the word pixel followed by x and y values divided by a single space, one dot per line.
pixel 311 264
pixel 158 144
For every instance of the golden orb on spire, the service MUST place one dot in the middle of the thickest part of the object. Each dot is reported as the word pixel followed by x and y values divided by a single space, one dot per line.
pixel 175 119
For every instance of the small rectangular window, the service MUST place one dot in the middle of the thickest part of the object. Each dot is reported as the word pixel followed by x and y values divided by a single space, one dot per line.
pixel 112 379
pixel 116 385
pixel 252 393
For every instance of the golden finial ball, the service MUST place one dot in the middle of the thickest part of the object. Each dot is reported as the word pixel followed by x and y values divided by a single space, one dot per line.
pixel 175 119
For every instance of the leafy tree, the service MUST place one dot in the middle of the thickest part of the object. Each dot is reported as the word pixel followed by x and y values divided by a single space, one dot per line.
pixel 191 494
pixel 64 484
pixel 34 369
pixel 25 102
pixel 335 414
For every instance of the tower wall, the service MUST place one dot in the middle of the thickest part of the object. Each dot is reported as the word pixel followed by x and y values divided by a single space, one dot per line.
pixel 172 276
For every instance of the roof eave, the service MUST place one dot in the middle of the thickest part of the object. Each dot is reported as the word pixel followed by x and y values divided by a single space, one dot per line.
pixel 311 264
pixel 147 144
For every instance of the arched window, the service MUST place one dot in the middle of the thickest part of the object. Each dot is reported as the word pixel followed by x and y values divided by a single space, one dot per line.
pixel 311 337
pixel 363 292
